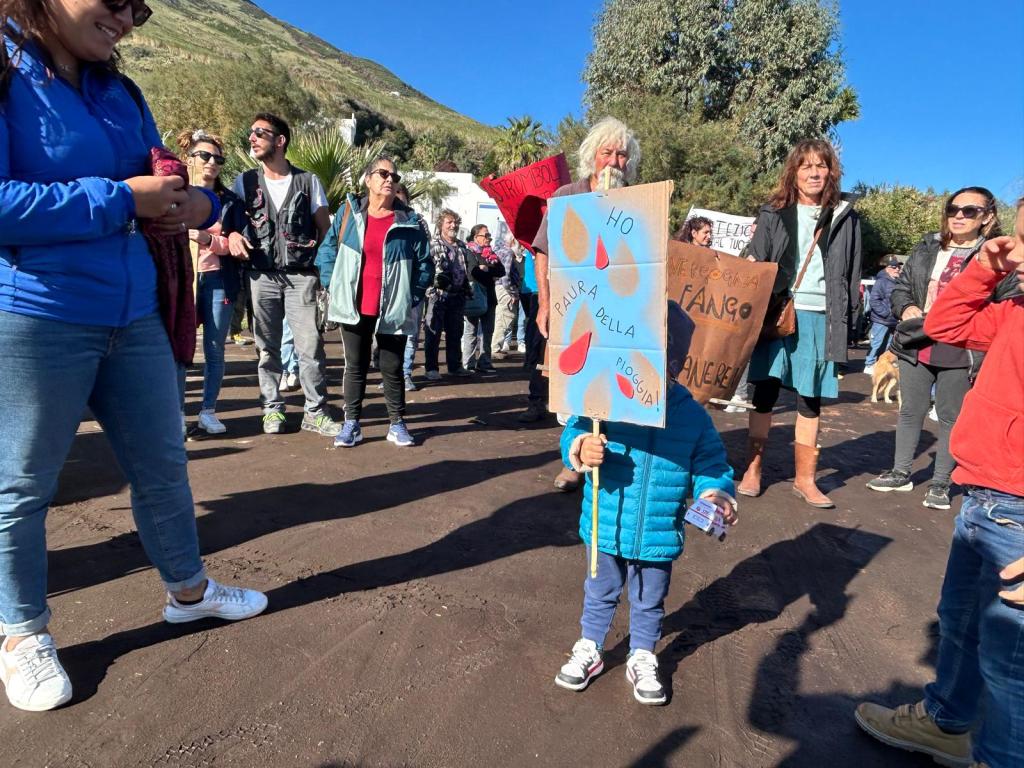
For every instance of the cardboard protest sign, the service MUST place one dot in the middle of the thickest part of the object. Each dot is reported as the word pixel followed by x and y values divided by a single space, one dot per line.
pixel 522 195
pixel 608 304
pixel 726 297
pixel 729 233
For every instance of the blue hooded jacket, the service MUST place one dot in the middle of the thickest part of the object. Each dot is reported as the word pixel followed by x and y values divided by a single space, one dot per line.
pixel 69 246
pixel 647 475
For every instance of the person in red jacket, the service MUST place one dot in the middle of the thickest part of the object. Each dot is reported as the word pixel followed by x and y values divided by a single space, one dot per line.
pixel 980 667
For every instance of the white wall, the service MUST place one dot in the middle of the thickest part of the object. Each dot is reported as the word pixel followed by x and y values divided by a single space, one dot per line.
pixel 468 200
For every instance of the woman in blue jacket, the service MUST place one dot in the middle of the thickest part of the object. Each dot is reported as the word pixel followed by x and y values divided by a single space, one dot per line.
pixel 79 320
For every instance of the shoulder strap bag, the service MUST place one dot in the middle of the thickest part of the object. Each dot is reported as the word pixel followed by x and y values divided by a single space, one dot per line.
pixel 780 320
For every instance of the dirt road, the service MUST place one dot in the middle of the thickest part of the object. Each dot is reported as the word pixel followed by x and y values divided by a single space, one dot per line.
pixel 422 600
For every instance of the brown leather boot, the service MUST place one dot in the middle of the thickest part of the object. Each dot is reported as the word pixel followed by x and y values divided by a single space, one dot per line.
pixel 750 485
pixel 804 487
pixel 567 481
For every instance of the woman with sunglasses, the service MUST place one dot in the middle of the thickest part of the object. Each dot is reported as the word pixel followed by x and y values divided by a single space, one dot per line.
pixel 376 262
pixel 219 277
pixel 484 268
pixel 969 219
pixel 79 318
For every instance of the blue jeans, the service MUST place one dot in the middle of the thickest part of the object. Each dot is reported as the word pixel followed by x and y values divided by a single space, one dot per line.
pixel 289 358
pixel 216 311
pixel 648 586
pixel 981 647
pixel 521 327
pixel 126 376
pixel 412 340
pixel 880 337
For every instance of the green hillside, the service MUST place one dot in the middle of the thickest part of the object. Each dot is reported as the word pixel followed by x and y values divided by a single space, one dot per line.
pixel 213 62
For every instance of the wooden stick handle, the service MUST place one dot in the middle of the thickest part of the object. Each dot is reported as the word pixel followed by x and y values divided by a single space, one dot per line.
pixel 594 490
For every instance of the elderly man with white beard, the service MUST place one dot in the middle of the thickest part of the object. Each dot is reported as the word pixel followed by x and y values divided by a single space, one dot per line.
pixel 609 150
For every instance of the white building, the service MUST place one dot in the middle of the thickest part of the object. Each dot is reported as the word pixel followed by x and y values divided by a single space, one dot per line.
pixel 348 129
pixel 468 200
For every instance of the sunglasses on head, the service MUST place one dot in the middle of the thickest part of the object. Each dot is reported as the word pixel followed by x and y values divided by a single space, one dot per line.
pixel 385 174
pixel 262 133
pixel 140 11
pixel 969 211
pixel 207 156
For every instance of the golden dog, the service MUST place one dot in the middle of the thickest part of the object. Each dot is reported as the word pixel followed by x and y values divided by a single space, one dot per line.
pixel 886 378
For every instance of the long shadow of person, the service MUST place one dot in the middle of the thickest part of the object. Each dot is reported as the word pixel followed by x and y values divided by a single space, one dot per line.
pixel 819 563
pixel 822 725
pixel 545 520
pixel 241 517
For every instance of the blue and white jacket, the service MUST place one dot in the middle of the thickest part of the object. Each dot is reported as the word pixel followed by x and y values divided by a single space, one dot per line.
pixel 647 476
pixel 69 246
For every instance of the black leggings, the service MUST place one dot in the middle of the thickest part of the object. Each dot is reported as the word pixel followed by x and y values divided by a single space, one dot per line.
pixel 357 340
pixel 766 394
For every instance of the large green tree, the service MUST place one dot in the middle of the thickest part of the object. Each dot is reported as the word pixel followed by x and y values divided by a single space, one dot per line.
pixel 773 67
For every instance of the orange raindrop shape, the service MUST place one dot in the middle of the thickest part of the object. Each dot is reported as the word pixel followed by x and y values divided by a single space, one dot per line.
pixel 574 357
pixel 575 239
pixel 597 400
pixel 625 278
pixel 584 323
pixel 625 385
pixel 650 379
pixel 602 254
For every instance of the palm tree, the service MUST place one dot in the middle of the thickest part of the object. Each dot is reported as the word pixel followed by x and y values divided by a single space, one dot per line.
pixel 522 141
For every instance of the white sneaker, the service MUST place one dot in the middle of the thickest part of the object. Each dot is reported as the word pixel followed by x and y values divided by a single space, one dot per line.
pixel 583 665
pixel 33 676
pixel 642 672
pixel 219 602
pixel 209 423
pixel 289 382
pixel 869 370
pixel 933 414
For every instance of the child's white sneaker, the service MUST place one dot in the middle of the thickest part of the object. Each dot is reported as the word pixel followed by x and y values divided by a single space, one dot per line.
pixel 220 602
pixel 584 664
pixel 642 672
pixel 33 676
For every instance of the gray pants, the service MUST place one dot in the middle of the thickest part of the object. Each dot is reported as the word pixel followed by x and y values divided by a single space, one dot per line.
pixel 951 385
pixel 276 295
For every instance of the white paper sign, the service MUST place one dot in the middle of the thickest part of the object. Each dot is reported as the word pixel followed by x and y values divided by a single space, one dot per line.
pixel 730 233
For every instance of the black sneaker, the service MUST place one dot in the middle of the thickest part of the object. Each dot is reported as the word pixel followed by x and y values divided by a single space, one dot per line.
pixel 892 480
pixel 937 497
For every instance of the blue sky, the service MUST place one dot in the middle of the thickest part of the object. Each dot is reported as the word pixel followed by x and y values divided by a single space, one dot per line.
pixel 940 82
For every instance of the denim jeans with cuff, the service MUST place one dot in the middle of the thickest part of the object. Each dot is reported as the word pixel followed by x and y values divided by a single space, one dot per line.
pixel 127 378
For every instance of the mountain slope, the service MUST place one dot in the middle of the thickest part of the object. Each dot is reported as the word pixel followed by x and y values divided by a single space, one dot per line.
pixel 232 37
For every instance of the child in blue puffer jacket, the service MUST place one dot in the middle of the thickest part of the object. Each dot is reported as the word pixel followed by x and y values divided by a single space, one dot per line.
pixel 647 475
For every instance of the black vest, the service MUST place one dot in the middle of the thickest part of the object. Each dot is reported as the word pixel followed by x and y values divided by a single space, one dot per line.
pixel 283 239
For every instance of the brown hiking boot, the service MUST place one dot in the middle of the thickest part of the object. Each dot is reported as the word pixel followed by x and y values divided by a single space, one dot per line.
pixel 567 481
pixel 750 485
pixel 911 728
pixel 804 487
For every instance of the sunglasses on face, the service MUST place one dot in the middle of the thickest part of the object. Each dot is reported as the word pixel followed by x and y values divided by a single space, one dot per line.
pixel 140 11
pixel 262 133
pixel 969 211
pixel 385 174
pixel 208 156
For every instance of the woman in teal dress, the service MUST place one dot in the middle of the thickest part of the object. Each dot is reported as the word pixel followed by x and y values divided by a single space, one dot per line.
pixel 807 221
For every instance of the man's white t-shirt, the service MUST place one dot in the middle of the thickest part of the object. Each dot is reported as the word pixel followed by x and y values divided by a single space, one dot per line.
pixel 278 191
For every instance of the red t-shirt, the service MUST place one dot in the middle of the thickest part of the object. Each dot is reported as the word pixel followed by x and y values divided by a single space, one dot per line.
pixel 373 264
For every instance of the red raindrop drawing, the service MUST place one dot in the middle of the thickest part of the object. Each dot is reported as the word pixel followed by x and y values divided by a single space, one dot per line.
pixel 602 254
pixel 574 357
pixel 625 385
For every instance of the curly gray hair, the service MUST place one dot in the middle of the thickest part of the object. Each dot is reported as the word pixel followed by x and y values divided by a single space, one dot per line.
pixel 608 130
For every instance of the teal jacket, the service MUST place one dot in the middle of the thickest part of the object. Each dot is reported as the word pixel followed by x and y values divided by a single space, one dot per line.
pixel 408 268
pixel 647 476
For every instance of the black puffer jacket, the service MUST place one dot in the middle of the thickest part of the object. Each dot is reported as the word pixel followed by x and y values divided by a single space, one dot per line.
pixel 775 241
pixel 912 291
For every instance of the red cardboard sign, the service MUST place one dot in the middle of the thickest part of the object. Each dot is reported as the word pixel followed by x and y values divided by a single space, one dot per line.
pixel 522 195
